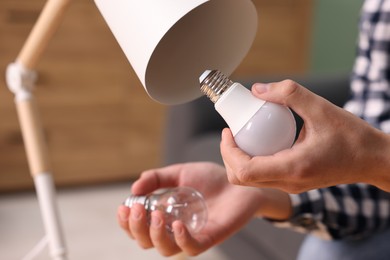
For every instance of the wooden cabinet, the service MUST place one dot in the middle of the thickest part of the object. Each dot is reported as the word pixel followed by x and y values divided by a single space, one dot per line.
pixel 282 44
pixel 99 123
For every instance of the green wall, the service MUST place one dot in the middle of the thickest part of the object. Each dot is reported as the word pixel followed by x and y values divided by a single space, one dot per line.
pixel 334 35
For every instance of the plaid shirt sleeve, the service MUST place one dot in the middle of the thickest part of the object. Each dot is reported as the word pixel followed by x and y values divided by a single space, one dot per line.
pixel 356 210
pixel 350 211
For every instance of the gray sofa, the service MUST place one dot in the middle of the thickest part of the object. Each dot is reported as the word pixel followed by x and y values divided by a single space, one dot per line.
pixel 193 134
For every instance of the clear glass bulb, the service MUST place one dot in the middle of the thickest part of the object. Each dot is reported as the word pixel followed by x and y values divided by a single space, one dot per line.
pixel 259 127
pixel 180 203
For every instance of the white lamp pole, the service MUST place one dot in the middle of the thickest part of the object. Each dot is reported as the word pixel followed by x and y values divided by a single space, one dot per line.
pixel 20 77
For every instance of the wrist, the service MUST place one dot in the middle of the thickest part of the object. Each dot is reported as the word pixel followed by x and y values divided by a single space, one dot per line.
pixel 274 204
pixel 379 175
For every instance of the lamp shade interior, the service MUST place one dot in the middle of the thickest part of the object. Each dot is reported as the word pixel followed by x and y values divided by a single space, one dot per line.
pixel 215 35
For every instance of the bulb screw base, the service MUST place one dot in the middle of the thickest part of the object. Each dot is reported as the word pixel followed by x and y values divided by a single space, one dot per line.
pixel 213 84
pixel 130 201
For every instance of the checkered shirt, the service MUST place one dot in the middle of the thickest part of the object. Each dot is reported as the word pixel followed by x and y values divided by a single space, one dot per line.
pixel 356 210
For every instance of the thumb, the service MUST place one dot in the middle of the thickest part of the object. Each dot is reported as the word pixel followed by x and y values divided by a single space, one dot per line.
pixel 290 94
pixel 153 179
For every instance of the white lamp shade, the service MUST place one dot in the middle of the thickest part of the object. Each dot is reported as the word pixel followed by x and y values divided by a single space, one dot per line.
pixel 170 43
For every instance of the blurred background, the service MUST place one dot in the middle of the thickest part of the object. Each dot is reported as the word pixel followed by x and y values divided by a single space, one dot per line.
pixel 103 130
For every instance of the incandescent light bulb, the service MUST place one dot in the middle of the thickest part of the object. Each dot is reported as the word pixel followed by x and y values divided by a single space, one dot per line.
pixel 180 203
pixel 259 127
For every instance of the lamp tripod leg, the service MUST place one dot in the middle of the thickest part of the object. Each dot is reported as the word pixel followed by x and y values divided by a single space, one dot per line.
pixel 38 158
pixel 45 189
pixel 20 80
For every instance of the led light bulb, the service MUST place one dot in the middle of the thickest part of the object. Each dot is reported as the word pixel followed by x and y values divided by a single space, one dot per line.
pixel 180 203
pixel 259 127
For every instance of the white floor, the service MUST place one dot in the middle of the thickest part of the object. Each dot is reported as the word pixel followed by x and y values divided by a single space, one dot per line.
pixel 89 222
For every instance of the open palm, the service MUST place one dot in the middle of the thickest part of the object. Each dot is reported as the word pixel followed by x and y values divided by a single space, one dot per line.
pixel 229 208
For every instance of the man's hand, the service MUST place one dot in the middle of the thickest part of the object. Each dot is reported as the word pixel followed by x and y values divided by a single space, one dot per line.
pixel 334 147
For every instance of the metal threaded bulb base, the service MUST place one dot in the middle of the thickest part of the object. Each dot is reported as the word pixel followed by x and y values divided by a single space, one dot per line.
pixel 130 201
pixel 213 84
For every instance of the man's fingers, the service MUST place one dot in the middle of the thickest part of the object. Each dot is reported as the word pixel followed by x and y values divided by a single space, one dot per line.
pixel 230 150
pixel 123 214
pixel 162 240
pixel 239 165
pixel 139 226
pixel 245 170
pixel 186 241
pixel 289 93
pixel 156 178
